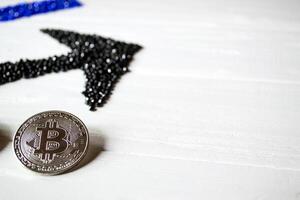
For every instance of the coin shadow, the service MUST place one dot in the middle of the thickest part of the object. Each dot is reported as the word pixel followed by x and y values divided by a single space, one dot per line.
pixel 96 147
pixel 4 139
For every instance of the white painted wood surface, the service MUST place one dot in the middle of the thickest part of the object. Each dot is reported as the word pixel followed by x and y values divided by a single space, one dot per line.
pixel 210 110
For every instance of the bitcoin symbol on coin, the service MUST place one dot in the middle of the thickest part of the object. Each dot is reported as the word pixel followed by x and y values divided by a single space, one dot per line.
pixel 52 141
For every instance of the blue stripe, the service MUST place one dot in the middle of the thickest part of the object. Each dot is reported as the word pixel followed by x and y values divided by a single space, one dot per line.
pixel 28 9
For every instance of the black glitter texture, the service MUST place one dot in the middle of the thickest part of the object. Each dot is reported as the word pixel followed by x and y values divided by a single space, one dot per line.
pixel 103 61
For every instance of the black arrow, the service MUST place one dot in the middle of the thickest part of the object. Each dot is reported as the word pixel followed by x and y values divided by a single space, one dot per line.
pixel 103 61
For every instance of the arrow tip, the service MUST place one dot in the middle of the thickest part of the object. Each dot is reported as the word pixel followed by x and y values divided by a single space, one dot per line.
pixel 103 60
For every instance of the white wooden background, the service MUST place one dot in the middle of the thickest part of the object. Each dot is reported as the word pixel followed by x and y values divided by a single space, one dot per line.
pixel 211 109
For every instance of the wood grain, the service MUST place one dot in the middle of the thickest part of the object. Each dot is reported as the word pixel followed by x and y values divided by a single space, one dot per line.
pixel 210 109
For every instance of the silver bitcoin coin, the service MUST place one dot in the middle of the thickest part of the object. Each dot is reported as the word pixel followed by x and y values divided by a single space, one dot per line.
pixel 51 142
